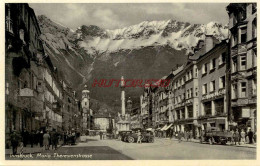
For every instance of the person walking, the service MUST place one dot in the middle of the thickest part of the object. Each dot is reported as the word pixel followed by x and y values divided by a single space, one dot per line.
pixel 250 136
pixel 54 139
pixel 185 136
pixel 32 138
pixel 25 137
pixel 179 136
pixel 243 136
pixel 15 139
pixel 64 138
pixel 100 135
pixel 232 138
pixel 37 138
pixel 41 138
pixel 171 133
pixel 139 135
pixel 46 140
pixel 236 137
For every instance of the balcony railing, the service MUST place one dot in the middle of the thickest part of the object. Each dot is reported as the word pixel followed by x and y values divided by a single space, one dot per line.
pixel 242 48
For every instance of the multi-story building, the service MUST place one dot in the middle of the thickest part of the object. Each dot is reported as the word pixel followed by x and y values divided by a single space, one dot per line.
pixel 196 96
pixel 135 118
pixel 53 97
pixel 159 106
pixel 144 106
pixel 212 82
pixel 34 92
pixel 243 62
pixel 72 111
pixel 24 69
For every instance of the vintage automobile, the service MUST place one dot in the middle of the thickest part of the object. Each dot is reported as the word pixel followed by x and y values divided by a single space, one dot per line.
pixel 213 135
pixel 121 134
pixel 146 136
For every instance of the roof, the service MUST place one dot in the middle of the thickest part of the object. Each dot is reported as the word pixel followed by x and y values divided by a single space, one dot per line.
pixel 198 54
pixel 178 70
pixel 214 48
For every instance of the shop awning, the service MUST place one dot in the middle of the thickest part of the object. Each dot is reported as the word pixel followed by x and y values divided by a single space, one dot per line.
pixel 168 127
pixel 164 128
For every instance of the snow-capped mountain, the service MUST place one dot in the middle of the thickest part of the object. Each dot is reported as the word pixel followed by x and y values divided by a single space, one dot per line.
pixel 148 50
pixel 178 35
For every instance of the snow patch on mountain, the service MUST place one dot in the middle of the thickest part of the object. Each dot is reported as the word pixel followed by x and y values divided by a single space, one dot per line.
pixel 175 34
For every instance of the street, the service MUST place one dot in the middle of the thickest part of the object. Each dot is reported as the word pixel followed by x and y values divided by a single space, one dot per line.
pixel 161 149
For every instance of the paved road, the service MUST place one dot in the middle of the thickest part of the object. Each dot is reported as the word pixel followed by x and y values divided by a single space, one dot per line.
pixel 161 149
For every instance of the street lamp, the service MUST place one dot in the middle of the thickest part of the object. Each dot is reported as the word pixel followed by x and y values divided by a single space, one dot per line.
pixel 8 119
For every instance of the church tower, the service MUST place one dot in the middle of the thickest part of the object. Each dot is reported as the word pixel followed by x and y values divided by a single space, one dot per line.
pixel 85 108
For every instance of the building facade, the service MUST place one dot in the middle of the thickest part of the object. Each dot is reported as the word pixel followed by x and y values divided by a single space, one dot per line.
pixel 24 69
pixel 102 122
pixel 34 92
pixel 243 63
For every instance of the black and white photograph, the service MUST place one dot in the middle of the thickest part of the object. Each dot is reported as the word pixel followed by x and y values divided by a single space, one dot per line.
pixel 130 81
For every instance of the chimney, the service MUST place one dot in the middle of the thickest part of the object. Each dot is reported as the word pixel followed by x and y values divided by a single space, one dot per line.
pixel 201 43
pixel 208 42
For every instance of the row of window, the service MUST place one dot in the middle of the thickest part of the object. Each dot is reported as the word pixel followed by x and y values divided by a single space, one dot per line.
pixel 222 82
pixel 243 62
pixel 240 89
pixel 221 60
pixel 240 36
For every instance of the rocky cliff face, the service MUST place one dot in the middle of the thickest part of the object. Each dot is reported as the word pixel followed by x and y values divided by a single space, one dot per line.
pixel 143 51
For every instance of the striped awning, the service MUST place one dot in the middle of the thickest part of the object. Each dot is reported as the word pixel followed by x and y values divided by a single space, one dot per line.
pixel 163 128
pixel 168 127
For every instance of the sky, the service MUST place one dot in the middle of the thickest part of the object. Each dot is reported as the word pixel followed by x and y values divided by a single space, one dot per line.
pixel 119 15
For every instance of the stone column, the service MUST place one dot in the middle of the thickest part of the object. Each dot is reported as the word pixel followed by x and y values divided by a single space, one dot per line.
pixel 239 35
pixel 123 95
pixel 213 109
pixel 186 112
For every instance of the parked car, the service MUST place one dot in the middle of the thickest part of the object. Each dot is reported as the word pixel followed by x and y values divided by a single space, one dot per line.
pixel 121 134
pixel 146 136
pixel 213 135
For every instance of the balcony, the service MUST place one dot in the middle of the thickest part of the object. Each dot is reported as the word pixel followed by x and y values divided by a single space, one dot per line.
pixel 9 25
pixel 238 49
pixel 56 107
pixel 242 48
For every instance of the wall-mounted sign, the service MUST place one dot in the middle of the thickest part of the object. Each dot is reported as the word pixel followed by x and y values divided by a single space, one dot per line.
pixel 245 113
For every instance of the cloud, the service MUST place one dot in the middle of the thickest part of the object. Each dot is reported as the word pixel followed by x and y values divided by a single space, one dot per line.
pixel 118 15
pixel 107 18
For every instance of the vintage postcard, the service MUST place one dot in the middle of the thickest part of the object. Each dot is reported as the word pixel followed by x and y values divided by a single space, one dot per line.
pixel 129 81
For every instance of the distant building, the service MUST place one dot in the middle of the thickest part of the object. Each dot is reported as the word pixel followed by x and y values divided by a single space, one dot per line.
pixel 86 113
pixel 144 107
pixel 102 122
pixel 135 118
